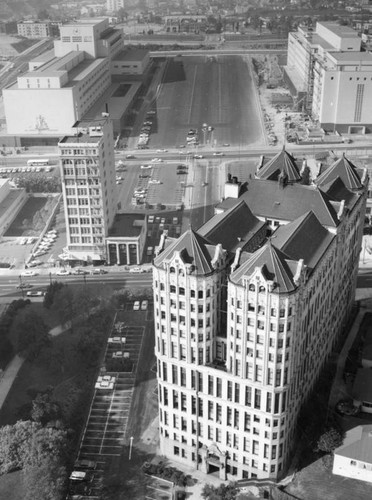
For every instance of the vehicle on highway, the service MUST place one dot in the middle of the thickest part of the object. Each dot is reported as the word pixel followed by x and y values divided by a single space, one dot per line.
pixel 98 271
pixel 137 270
pixel 144 176
pixel 157 160
pixel 29 272
pixel 162 150
pixel 136 305
pixel 37 162
pixel 218 153
pixel 63 272
pixel 144 305
pixel 155 181
pixel 198 157
pixel 79 271
pixel 181 172
pixel 152 112
pixel 151 219
pixel 130 157
pixel 204 183
pixel 24 286
pixel 35 293
pixel 146 166
pixel 226 145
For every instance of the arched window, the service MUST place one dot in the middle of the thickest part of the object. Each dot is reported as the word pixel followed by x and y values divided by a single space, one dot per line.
pixel 172 270
pixel 252 288
pixel 181 272
pixel 262 289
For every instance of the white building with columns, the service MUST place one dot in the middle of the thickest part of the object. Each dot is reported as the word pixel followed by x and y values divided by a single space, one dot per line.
pixel 245 323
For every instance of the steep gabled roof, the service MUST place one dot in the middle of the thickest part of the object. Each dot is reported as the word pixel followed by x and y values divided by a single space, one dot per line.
pixel 305 238
pixel 283 162
pixel 346 170
pixel 194 250
pixel 233 228
pixel 357 444
pixel 337 190
pixel 274 266
pixel 267 199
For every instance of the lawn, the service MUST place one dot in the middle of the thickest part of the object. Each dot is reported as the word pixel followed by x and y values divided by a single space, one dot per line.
pixel 316 483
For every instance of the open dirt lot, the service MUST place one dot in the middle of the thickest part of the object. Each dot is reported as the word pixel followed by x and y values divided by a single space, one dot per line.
pixel 218 91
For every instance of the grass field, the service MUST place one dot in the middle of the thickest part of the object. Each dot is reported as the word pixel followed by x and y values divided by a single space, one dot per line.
pixel 218 91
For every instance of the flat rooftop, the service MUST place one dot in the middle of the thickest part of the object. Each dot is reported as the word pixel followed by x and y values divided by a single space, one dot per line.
pixel 82 135
pixel 342 31
pixel 131 55
pixel 127 225
pixel 352 56
pixel 117 105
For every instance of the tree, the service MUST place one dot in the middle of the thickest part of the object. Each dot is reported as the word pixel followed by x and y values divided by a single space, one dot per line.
pixel 44 408
pixel 50 293
pixel 46 481
pixel 329 441
pixel 31 334
pixel 223 492
pixel 64 305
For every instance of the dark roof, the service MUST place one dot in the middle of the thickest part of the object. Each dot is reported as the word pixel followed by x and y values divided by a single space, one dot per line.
pixel 282 163
pixel 194 250
pixel 233 228
pixel 274 266
pixel 270 200
pixel 305 238
pixel 346 170
pixel 127 225
pixel 337 190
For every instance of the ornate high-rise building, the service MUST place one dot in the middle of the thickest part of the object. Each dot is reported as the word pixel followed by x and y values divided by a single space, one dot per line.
pixel 247 311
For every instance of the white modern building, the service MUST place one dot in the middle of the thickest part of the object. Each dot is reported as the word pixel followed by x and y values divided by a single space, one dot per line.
pixel 88 184
pixel 59 90
pixel 330 76
pixel 244 323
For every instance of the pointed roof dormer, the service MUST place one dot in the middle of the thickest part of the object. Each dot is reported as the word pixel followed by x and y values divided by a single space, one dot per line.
pixel 345 170
pixel 272 265
pixel 196 252
pixel 283 163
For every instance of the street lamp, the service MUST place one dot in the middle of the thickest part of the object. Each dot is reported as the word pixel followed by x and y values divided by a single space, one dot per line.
pixel 21 286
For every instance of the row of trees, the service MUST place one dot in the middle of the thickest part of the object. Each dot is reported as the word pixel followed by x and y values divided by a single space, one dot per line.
pixel 6 321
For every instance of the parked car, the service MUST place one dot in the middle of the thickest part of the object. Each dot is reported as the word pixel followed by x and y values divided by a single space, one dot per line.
pixel 86 464
pixel 144 305
pixel 121 354
pixel 24 286
pixel 35 293
pixel 80 271
pixel 218 153
pixel 130 157
pixel 146 166
pixel 136 305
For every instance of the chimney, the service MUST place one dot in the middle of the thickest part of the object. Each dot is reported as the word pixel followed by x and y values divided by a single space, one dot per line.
pixel 229 177
pixel 235 264
pixel 341 210
pixel 297 276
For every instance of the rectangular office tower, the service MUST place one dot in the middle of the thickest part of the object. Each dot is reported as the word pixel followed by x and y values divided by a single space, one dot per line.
pixel 247 311
pixel 88 185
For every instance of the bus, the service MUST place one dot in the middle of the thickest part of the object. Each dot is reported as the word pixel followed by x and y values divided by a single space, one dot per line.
pixel 36 162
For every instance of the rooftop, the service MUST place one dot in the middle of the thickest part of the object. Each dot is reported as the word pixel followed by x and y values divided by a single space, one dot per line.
pixel 127 225
pixel 131 55
pixel 357 444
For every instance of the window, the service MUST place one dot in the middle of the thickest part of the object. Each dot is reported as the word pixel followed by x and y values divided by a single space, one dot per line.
pixel 252 288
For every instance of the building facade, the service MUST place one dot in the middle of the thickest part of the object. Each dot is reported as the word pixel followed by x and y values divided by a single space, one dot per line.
pixel 88 185
pixel 245 322
pixel 323 66
pixel 115 5
pixel 34 29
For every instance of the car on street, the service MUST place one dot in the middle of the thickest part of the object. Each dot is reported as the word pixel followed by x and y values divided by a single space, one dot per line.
pixel 29 273
pixel 136 270
pixel 346 407
pixel 162 150
pixel 144 305
pixel 98 270
pixel 198 157
pixel 218 153
pixel 136 305
pixel 181 172
pixel 35 293
pixel 105 384
pixel 63 272
pixel 130 157
pixel 24 286
pixel 155 181
pixel 80 271
pixel 146 166
pixel 144 176
pixel 156 160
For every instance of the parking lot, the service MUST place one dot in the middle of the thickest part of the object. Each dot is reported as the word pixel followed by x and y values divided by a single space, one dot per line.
pixel 159 489
pixel 104 434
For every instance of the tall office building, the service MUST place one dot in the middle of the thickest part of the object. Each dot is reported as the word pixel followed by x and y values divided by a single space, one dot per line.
pixel 245 322
pixel 88 184
pixel 325 65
